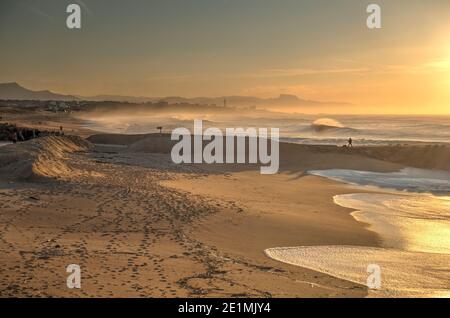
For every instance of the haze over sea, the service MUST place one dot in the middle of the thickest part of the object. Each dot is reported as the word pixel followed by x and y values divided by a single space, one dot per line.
pixel 296 128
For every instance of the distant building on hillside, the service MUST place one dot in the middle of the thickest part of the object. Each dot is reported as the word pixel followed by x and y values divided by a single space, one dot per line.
pixel 58 107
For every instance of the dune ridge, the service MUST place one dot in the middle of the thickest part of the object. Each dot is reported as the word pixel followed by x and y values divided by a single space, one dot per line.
pixel 419 156
pixel 41 158
pixel 436 157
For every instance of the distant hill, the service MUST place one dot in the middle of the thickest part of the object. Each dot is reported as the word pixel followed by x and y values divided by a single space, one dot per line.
pixel 284 100
pixel 16 92
pixel 119 98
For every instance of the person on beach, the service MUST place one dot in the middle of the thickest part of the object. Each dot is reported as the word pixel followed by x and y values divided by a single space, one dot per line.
pixel 13 137
pixel 350 142
pixel 20 135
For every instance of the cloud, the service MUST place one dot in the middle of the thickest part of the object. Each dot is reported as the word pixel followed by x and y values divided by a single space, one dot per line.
pixel 85 7
pixel 292 72
pixel 430 67
pixel 275 90
pixel 440 65
pixel 35 11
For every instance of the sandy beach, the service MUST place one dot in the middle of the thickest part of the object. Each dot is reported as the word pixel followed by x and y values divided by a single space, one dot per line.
pixel 249 151
pixel 140 226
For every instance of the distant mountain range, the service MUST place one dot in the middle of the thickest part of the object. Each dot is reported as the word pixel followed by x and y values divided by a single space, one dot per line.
pixel 284 100
pixel 17 92
pixel 14 91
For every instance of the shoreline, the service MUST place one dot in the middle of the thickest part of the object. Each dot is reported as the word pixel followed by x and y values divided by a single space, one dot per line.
pixel 259 226
pixel 110 211
pixel 166 230
pixel 389 214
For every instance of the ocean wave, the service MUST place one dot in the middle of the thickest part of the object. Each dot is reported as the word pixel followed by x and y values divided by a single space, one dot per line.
pixel 407 179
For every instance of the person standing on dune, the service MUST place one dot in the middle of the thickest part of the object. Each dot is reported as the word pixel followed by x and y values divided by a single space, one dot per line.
pixel 350 142
pixel 20 135
pixel 13 137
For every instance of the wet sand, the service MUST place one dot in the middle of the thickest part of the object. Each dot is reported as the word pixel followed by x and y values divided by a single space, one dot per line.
pixel 137 231
pixel 140 226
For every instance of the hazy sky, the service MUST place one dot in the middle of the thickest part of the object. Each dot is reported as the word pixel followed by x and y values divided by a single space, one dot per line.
pixel 316 49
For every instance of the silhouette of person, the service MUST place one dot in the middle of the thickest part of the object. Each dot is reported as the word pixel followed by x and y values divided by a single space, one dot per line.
pixel 14 137
pixel 350 142
pixel 20 135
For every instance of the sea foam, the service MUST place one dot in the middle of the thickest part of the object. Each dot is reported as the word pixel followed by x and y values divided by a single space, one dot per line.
pixel 407 179
pixel 403 274
pixel 414 226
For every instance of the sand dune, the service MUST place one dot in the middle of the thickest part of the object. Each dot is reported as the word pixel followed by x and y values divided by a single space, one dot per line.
pixel 135 237
pixel 116 139
pixel 163 230
pixel 313 156
pixel 154 143
pixel 419 156
pixel 40 158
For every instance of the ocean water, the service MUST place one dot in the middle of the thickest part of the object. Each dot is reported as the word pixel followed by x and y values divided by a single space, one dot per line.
pixel 407 179
pixel 295 128
pixel 403 273
pixel 410 222
pixel 411 214
pixel 372 130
